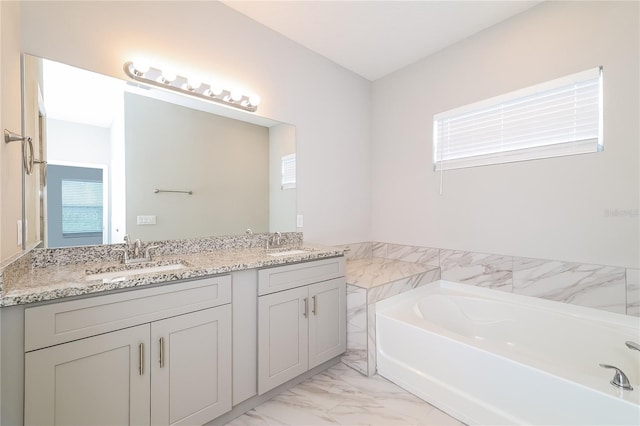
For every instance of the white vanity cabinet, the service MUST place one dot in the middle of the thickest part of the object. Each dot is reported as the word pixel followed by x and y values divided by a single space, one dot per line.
pixel 301 319
pixel 79 382
pixel 191 367
pixel 157 356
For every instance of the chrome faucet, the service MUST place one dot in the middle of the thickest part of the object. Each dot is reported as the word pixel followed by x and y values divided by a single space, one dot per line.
pixel 136 246
pixel 632 345
pixel 619 378
pixel 274 240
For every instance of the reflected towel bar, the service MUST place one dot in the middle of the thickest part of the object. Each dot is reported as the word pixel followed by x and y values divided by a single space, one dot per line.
pixel 156 191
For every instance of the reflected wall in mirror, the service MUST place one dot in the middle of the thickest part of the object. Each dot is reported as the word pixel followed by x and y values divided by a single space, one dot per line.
pixel 122 158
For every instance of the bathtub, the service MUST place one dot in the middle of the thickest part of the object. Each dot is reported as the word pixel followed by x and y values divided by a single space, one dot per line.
pixel 490 357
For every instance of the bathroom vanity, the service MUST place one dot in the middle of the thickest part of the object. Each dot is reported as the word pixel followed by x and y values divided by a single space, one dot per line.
pixel 170 347
pixel 289 344
pixel 160 355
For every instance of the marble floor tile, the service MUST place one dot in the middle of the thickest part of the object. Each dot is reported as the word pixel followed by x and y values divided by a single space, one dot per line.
pixel 341 396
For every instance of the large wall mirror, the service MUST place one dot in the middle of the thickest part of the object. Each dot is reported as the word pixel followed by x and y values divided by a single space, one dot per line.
pixel 114 157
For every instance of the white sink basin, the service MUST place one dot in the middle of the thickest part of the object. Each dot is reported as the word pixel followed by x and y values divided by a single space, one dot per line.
pixel 287 253
pixel 122 274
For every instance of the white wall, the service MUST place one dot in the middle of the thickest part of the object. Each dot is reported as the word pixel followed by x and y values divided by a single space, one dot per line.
pixel 69 142
pixel 10 154
pixel 1 223
pixel 225 163
pixel 329 106
pixel 117 178
pixel 552 209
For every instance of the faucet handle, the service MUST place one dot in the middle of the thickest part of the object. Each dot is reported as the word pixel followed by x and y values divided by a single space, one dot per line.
pixel 147 252
pixel 125 256
pixel 619 378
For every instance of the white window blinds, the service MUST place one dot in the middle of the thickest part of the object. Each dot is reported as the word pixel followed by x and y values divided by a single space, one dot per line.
pixel 559 117
pixel 81 207
pixel 289 171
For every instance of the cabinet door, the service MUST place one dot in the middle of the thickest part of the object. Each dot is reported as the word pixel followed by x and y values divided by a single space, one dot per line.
pixel 327 322
pixel 282 337
pixel 191 367
pixel 101 380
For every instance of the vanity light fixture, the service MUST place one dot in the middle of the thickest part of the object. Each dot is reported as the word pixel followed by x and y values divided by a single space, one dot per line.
pixel 141 71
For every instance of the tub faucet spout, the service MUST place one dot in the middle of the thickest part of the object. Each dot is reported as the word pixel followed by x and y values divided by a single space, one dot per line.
pixel 632 345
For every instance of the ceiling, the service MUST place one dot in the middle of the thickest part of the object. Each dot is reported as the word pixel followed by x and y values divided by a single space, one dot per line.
pixel 376 38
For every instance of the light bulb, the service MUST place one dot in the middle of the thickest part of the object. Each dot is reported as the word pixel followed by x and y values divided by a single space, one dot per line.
pixel 214 90
pixel 192 84
pixel 254 100
pixel 168 76
pixel 140 66
pixel 236 95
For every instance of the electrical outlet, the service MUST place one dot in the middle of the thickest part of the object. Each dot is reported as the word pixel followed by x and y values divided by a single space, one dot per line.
pixel 299 221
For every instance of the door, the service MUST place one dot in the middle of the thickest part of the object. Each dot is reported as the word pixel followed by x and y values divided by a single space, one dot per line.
pixel 191 367
pixel 100 380
pixel 75 206
pixel 327 322
pixel 282 337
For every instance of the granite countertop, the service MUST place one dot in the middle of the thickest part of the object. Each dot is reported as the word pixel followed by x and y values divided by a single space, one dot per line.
pixel 51 282
pixel 374 271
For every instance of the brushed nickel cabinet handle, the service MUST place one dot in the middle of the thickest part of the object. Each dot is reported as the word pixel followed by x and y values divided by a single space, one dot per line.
pixel 314 309
pixel 162 352
pixel 306 307
pixel 141 360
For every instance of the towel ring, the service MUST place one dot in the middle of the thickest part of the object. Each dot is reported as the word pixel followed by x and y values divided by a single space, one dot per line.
pixel 28 157
pixel 27 149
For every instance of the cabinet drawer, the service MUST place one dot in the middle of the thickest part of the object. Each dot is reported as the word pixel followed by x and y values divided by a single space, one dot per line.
pixel 61 322
pixel 281 278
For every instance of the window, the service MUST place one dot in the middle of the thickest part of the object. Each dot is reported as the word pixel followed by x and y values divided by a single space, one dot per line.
pixel 559 117
pixel 81 207
pixel 289 171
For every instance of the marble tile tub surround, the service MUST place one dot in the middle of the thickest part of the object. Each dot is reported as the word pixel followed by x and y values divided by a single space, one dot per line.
pixel 29 279
pixel 610 288
pixel 369 280
pixel 633 292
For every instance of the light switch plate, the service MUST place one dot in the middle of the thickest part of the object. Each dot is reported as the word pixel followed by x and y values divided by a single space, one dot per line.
pixel 299 221
pixel 146 220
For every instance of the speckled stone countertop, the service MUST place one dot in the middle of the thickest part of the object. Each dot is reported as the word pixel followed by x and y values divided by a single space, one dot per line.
pixel 37 281
pixel 373 271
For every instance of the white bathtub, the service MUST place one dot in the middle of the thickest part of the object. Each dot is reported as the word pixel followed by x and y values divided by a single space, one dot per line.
pixel 490 357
